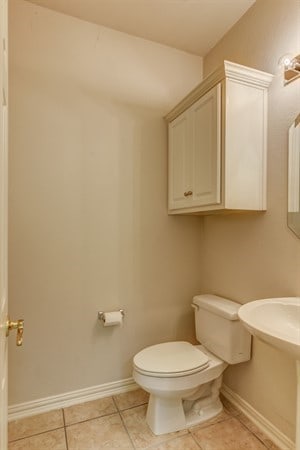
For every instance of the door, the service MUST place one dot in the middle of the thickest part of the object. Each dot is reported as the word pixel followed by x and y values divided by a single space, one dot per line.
pixel 206 120
pixel 195 154
pixel 180 162
pixel 3 220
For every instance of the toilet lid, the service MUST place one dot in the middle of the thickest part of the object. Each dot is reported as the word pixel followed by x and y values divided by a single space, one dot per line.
pixel 177 358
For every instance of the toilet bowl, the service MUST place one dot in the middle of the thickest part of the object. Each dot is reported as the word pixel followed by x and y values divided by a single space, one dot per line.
pixel 175 397
pixel 184 380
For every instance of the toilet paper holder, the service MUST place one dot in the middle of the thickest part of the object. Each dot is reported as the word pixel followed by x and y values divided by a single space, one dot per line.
pixel 101 314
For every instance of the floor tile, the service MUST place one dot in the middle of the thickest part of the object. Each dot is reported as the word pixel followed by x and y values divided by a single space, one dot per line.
pixel 52 440
pixel 227 435
pixel 106 432
pixel 140 433
pixel 131 399
pixel 89 410
pixel 40 423
pixel 181 443
pixel 253 428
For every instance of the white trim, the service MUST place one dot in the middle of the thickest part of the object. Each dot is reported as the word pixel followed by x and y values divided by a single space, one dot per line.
pixel 280 439
pixel 228 70
pixel 247 75
pixel 293 169
pixel 43 405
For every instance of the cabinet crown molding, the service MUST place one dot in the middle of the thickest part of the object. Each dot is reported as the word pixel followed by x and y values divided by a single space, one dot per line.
pixel 228 70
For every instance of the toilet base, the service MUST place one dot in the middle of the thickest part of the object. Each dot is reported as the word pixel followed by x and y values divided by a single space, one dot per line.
pixel 166 415
pixel 206 413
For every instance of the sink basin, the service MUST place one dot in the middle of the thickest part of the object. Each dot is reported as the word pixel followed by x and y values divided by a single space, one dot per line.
pixel 275 321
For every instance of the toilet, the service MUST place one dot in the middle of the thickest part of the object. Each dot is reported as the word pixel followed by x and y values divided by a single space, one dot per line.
pixel 184 380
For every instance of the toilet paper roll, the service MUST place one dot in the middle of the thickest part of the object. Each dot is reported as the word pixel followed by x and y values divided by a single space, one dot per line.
pixel 111 319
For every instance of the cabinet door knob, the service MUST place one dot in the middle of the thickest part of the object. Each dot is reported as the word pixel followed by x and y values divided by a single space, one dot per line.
pixel 188 193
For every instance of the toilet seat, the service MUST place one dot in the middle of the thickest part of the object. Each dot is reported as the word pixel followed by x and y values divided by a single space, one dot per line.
pixel 171 359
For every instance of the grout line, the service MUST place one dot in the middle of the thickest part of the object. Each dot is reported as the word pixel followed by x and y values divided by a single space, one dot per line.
pixel 169 439
pixel 122 420
pixel 115 403
pixel 63 414
pixel 193 437
pixel 128 434
pixel 65 429
pixel 35 434
pixel 92 418
pixel 132 407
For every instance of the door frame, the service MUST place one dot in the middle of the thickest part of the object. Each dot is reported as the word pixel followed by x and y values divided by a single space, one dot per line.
pixel 3 217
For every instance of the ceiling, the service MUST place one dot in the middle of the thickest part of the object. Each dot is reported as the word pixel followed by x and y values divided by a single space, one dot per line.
pixel 194 26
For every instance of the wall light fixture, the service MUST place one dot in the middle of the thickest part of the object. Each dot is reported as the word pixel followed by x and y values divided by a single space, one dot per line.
pixel 291 67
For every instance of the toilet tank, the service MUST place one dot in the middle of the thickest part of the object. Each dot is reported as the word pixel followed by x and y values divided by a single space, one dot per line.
pixel 219 329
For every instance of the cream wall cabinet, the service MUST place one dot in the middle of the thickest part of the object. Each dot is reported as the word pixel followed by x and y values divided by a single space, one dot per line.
pixel 217 144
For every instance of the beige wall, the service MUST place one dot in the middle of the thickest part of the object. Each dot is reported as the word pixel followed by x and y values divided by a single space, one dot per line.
pixel 88 222
pixel 257 256
pixel 88 226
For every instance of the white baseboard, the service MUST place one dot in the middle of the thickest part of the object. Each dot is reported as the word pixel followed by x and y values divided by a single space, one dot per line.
pixel 42 405
pixel 280 439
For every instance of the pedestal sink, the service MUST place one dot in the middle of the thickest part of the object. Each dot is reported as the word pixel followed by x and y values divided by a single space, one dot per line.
pixel 276 321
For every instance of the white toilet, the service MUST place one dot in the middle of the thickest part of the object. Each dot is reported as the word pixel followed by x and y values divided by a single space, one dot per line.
pixel 184 380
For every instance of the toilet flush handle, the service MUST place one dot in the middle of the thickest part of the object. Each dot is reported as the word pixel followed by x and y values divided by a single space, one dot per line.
pixel 194 306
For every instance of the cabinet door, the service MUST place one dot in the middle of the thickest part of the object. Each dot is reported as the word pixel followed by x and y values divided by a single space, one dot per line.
pixel 180 162
pixel 206 124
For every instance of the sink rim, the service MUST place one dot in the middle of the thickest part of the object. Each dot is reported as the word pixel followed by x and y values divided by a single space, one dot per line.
pixel 274 337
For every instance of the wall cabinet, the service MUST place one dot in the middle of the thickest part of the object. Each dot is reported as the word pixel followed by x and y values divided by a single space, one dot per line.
pixel 217 144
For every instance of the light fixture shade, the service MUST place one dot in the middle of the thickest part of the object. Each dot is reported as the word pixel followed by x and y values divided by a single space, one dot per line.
pixel 285 60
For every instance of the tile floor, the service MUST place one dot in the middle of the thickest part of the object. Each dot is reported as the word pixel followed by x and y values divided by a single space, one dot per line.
pixel 118 422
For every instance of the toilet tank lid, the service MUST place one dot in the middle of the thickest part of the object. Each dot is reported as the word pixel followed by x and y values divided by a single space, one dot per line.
pixel 218 305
